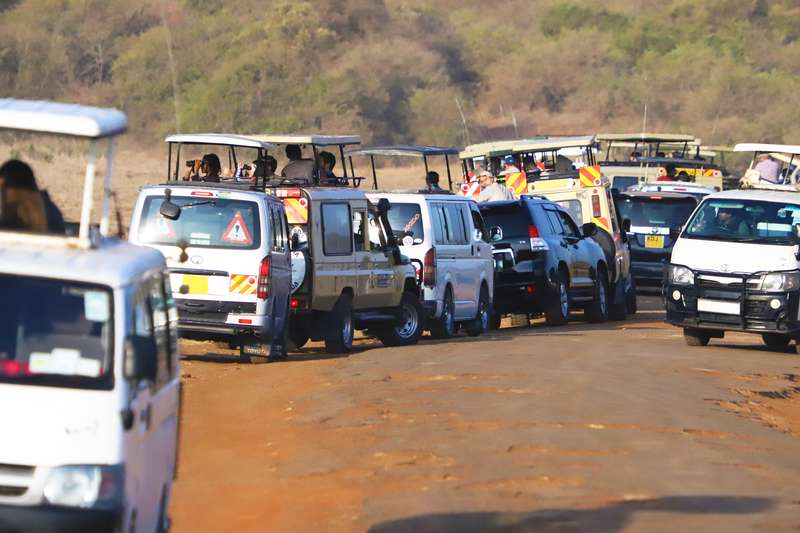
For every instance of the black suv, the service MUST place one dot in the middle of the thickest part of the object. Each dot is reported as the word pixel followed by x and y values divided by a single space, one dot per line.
pixel 545 263
pixel 655 220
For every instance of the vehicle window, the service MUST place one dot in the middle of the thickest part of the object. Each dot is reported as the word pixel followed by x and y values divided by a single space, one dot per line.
pixel 512 219
pixel 573 207
pixel 555 221
pixel 456 232
pixel 439 223
pixel 208 223
pixel 755 221
pixel 172 315
pixel 56 333
pixel 406 221
pixel 613 212
pixel 359 227
pixel 278 233
pixel 570 228
pixel 482 234
pixel 160 321
pixel 656 211
pixel 377 239
pixel 337 235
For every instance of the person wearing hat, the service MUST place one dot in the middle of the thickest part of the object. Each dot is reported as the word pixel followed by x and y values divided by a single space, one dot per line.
pixel 491 191
pixel 509 166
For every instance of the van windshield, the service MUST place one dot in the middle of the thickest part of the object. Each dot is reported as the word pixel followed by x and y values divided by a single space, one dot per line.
pixel 406 221
pixel 656 211
pixel 203 223
pixel 55 333
pixel 754 221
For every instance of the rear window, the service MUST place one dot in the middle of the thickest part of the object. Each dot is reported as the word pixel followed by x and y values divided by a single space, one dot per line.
pixel 574 208
pixel 655 211
pixel 203 223
pixel 513 219
pixel 406 221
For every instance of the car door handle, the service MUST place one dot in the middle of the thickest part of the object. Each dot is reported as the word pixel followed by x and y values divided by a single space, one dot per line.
pixel 145 415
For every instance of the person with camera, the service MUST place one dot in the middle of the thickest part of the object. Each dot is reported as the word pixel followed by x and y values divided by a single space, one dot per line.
pixel 206 169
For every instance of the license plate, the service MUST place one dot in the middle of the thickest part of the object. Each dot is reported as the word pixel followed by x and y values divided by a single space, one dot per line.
pixel 654 241
pixel 196 284
pixel 718 306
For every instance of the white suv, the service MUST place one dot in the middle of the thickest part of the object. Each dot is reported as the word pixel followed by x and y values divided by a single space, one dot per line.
pixel 445 237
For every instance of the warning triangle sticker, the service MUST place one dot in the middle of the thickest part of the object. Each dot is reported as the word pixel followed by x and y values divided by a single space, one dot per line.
pixel 237 232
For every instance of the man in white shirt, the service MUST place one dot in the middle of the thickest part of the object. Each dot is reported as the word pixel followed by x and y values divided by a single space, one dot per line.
pixel 491 191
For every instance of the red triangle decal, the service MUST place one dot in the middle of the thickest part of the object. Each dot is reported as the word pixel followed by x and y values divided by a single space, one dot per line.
pixel 237 232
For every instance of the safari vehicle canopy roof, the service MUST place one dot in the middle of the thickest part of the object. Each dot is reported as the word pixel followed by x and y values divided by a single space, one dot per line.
pixel 91 123
pixel 404 150
pixel 314 139
pixel 221 139
pixel 645 137
pixel 487 148
pixel 553 143
pixel 767 148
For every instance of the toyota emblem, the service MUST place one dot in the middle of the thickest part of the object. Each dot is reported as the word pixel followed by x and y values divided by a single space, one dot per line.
pixel 725 267
pixel 196 260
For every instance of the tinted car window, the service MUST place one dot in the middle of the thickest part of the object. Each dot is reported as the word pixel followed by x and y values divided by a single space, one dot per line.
pixel 514 219
pixel 656 211
pixel 478 223
pixel 555 221
pixel 406 220
pixel 337 235
pixel 456 232
pixel 439 223
pixel 570 228
pixel 573 207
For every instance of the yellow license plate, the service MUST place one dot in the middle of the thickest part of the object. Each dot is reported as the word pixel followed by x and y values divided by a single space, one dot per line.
pixel 654 241
pixel 196 284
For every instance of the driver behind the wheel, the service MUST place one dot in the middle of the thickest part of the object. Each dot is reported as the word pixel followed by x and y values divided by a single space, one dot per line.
pixel 729 221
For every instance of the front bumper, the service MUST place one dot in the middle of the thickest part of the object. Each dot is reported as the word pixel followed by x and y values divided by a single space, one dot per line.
pixel 47 519
pixel 739 307
pixel 648 273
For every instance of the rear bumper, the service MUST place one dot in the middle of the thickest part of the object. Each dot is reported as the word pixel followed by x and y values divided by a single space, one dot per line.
pixel 215 320
pixel 47 519
pixel 522 293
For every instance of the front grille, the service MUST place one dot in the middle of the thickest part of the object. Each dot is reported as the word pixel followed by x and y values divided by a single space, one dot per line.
pixel 756 307
pixel 8 491
pixel 15 470
pixel 705 281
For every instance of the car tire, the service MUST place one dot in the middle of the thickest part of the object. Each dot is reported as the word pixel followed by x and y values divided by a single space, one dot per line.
pixel 497 318
pixel 695 337
pixel 597 311
pixel 444 327
pixel 341 336
pixel 557 312
pixel 618 311
pixel 408 328
pixel 297 336
pixel 630 301
pixel 482 321
pixel 776 340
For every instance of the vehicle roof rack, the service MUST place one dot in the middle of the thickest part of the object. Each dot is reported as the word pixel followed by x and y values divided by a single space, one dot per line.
pixel 221 139
pixel 767 148
pixel 404 150
pixel 646 137
pixel 91 123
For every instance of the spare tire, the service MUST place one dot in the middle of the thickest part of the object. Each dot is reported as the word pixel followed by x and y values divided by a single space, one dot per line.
pixel 300 265
pixel 606 242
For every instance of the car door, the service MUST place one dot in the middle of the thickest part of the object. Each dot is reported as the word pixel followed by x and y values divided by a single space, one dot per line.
pixel 381 280
pixel 280 271
pixel 472 263
pixel 334 261
pixel 458 250
pixel 566 247
pixel 581 255
pixel 445 250
pixel 483 249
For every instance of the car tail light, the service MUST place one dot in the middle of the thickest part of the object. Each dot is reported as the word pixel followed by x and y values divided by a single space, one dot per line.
pixel 429 268
pixel 263 279
pixel 596 213
pixel 288 193
pixel 207 194
pixel 537 243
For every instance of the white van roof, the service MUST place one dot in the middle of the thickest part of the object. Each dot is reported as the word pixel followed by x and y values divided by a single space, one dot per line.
pixel 224 139
pixel 760 147
pixel 114 263
pixel 62 119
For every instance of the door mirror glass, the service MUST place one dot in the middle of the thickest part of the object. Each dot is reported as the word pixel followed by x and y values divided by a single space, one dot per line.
pixel 496 233
pixel 169 209
pixel 626 225
pixel 589 229
pixel 140 358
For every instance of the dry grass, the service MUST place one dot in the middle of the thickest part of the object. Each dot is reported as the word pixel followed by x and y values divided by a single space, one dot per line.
pixel 60 167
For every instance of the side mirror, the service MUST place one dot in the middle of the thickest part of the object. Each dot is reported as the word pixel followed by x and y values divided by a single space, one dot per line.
pixel 589 229
pixel 168 209
pixel 496 233
pixel 140 358
pixel 626 225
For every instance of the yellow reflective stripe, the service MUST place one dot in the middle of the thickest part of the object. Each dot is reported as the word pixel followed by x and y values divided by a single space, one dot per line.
pixel 296 213
pixel 602 222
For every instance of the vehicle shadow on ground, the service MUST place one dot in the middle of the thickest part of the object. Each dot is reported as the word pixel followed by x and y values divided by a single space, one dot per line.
pixel 789 350
pixel 605 519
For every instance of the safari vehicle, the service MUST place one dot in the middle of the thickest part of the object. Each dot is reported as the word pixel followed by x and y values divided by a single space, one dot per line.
pixel 735 267
pixel 785 157
pixel 347 270
pixel 654 221
pixel 227 249
pixel 491 155
pixel 545 263
pixel 586 194
pixel 89 368
pixel 445 236
pixel 633 158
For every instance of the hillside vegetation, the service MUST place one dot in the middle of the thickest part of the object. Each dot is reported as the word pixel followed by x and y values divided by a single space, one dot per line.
pixel 406 70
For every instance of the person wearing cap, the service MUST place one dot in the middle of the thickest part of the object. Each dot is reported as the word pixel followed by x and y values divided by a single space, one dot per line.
pixel 509 166
pixel 491 191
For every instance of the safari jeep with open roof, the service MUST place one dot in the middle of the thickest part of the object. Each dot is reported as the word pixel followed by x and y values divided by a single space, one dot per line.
pixel 89 361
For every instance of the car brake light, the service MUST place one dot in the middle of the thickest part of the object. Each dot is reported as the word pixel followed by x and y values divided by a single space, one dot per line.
pixel 596 206
pixel 656 197
pixel 288 193
pixel 263 279
pixel 537 243
pixel 294 303
pixel 429 268
pixel 207 194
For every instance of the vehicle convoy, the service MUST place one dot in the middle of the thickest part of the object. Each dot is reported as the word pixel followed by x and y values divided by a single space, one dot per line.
pixel 227 249
pixel 735 267
pixel 545 264
pixel 633 158
pixel 347 269
pixel 89 370
pixel 654 221
pixel 445 236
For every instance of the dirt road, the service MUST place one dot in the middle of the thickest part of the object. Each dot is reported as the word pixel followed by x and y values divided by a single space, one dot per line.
pixel 582 428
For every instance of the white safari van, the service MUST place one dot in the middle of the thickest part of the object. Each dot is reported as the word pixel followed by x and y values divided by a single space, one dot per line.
pixel 736 265
pixel 89 376
pixel 445 237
